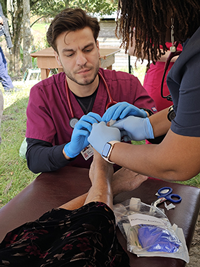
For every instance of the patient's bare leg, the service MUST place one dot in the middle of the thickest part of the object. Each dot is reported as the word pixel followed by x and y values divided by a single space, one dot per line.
pixel 105 184
pixel 101 173
pixel 75 203
pixel 126 180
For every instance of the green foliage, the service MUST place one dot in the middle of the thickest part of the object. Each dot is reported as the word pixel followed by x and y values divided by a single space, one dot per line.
pixel 47 8
pixel 53 7
pixel 99 6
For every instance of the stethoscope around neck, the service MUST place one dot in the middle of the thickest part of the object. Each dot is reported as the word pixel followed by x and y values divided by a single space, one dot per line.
pixel 73 119
pixel 171 55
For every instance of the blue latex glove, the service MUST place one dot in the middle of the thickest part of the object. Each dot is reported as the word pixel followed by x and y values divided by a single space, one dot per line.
pixel 80 134
pixel 136 128
pixel 154 238
pixel 101 134
pixel 122 110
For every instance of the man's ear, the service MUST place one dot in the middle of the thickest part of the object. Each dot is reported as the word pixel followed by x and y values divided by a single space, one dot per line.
pixel 57 58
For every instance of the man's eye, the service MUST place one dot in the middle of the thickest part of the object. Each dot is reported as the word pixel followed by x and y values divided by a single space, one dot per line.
pixel 69 54
pixel 88 50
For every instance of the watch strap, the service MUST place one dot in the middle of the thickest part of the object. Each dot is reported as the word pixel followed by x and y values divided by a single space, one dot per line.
pixel 148 111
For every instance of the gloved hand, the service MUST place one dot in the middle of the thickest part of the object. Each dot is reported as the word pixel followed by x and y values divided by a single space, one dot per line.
pixel 122 110
pixel 80 134
pixel 136 128
pixel 101 134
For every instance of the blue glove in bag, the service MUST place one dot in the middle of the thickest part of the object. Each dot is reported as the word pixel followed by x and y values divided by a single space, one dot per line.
pixel 80 134
pixel 148 231
pixel 136 128
pixel 154 238
pixel 121 110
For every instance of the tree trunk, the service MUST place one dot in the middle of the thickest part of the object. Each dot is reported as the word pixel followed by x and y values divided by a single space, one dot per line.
pixel 15 11
pixel 26 35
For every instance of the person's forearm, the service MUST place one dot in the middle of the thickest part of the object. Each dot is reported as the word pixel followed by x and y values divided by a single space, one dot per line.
pixel 160 123
pixel 138 159
pixel 170 160
pixel 45 159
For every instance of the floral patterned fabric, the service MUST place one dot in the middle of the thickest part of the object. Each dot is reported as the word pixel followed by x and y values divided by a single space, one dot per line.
pixel 82 237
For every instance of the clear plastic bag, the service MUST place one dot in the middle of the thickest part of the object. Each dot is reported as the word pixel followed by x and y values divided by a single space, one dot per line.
pixel 148 231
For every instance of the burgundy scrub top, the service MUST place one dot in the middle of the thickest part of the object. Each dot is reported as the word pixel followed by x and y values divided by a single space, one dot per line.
pixel 48 112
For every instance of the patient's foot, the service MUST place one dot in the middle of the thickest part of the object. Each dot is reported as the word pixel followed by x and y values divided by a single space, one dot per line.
pixel 126 180
pixel 101 173
pixel 100 168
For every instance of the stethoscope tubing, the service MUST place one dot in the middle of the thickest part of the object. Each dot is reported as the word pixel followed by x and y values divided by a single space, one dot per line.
pixel 111 101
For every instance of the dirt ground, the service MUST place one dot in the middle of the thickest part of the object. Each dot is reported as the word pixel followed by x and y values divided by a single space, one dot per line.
pixel 195 247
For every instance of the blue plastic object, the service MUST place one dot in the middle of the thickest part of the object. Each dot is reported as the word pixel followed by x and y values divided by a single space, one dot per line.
pixel 154 238
pixel 166 192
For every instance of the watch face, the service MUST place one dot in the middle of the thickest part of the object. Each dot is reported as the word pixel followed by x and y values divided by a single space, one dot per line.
pixel 106 150
pixel 171 115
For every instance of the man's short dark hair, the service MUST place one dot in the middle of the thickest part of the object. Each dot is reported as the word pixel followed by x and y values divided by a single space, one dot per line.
pixel 71 20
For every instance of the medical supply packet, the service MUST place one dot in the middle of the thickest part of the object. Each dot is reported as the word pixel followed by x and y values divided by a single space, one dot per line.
pixel 148 231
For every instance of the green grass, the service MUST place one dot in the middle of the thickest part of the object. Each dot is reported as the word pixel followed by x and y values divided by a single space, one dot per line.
pixel 40 27
pixel 195 181
pixel 14 173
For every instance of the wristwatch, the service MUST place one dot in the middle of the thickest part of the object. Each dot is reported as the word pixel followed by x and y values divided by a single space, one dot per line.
pixel 171 113
pixel 107 150
pixel 148 111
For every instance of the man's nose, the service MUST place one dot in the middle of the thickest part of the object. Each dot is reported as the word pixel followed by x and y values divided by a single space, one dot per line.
pixel 81 59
